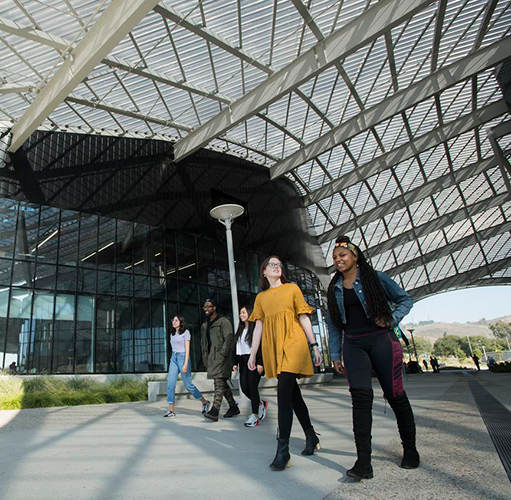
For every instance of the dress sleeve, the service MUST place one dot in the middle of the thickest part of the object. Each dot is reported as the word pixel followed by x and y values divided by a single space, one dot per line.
pixel 258 312
pixel 301 307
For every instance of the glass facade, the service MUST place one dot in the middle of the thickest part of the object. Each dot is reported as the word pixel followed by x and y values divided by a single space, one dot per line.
pixel 82 293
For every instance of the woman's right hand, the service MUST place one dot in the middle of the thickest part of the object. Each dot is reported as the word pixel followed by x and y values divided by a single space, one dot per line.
pixel 339 366
pixel 235 368
pixel 252 362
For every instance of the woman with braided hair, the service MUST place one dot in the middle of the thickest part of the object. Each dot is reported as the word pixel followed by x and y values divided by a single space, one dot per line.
pixel 364 306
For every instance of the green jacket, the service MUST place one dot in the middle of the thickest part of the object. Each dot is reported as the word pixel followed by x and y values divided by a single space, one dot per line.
pixel 217 358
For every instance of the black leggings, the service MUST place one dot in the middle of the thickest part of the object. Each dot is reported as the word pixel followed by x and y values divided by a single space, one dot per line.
pixel 249 382
pixel 289 398
pixel 381 351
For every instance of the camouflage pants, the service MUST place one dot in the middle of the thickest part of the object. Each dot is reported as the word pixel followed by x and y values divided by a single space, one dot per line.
pixel 222 389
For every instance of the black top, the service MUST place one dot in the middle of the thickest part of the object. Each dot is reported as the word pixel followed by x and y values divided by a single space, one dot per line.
pixel 357 322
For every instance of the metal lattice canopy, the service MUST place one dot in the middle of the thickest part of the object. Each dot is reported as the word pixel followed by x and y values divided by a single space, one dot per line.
pixel 386 114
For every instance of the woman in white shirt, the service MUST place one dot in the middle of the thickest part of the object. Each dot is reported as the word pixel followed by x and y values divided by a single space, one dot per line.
pixel 249 380
pixel 180 363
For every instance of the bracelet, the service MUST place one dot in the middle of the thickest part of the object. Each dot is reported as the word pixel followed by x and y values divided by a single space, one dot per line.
pixel 314 345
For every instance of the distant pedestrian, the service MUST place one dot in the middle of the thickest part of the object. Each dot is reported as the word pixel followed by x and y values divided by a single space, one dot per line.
pixel 180 363
pixel 425 363
pixel 475 358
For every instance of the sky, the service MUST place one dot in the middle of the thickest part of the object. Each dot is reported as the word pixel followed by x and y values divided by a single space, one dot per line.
pixel 462 306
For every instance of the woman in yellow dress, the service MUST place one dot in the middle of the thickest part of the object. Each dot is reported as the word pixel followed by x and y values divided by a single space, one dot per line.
pixel 282 323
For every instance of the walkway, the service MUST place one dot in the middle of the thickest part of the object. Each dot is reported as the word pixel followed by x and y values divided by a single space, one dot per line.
pixel 128 451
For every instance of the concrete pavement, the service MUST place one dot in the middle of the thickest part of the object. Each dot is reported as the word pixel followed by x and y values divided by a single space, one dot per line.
pixel 128 451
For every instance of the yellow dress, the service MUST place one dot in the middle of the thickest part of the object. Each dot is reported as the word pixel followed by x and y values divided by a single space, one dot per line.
pixel 284 343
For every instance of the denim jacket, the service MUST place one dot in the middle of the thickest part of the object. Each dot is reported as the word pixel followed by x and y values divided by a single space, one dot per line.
pixel 400 303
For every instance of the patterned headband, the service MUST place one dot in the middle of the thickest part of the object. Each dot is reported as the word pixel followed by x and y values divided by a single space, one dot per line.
pixel 350 246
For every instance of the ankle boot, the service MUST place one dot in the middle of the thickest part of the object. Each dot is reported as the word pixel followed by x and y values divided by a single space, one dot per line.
pixel 362 401
pixel 311 442
pixel 282 457
pixel 406 426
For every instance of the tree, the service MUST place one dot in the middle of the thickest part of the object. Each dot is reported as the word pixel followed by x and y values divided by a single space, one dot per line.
pixel 500 329
pixel 449 345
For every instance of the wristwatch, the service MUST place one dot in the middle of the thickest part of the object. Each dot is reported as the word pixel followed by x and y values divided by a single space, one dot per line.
pixel 315 344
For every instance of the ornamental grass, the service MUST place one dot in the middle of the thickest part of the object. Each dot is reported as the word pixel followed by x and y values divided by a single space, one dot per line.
pixel 41 392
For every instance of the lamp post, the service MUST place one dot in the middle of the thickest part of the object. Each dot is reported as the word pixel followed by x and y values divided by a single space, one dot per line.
pixel 411 330
pixel 225 214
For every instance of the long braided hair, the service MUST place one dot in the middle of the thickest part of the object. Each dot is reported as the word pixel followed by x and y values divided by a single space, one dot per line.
pixel 377 305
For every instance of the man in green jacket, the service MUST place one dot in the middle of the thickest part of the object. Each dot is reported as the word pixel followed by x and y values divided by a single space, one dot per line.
pixel 216 343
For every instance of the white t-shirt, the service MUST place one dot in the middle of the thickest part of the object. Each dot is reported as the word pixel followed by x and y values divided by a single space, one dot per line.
pixel 177 341
pixel 241 346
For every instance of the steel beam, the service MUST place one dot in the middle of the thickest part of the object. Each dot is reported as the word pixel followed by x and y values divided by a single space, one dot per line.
pixel 413 196
pixel 118 19
pixel 408 150
pixel 375 21
pixel 17 88
pixel 429 86
pixel 439 223
pixel 449 249
pixel 461 280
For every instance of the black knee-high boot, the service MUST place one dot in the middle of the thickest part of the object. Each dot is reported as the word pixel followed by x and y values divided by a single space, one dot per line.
pixel 362 402
pixel 406 426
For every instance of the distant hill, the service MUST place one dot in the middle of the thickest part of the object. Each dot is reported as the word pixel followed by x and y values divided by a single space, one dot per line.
pixel 435 331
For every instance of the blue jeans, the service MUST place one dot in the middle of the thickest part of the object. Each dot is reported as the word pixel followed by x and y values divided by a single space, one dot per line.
pixel 176 365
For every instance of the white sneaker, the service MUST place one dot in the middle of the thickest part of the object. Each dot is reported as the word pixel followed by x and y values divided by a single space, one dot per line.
pixel 252 421
pixel 262 409
pixel 169 414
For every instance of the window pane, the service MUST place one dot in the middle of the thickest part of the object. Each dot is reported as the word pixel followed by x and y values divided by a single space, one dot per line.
pixel 124 247
pixel 84 334
pixel 142 249
pixel 124 336
pixel 222 264
pixel 142 286
pixel 86 280
pixel 157 252
pixel 68 244
pixel 45 276
pixel 4 299
pixel 8 216
pixel 159 336
pixel 5 271
pixel 142 336
pixel 186 259
pixel 106 282
pixel 42 333
pixel 124 284
pixel 242 279
pixel 253 271
pixel 26 233
pixel 105 339
pixel 88 244
pixel 106 244
pixel 23 273
pixel 206 262
pixel 19 328
pixel 63 349
pixel 66 279
pixel 47 240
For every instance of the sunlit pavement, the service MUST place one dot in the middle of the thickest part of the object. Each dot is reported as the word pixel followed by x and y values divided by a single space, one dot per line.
pixel 128 451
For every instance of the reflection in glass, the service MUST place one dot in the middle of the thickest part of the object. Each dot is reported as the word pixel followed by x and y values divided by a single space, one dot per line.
pixel 206 262
pixel 88 241
pixel 48 237
pixel 4 299
pixel 18 335
pixel 68 244
pixel 253 271
pixel 142 336
pixel 84 334
pixel 124 347
pixel 124 285
pixel 8 217
pixel 186 258
pixel 106 244
pixel 5 271
pixel 45 276
pixel 222 264
pixel 41 333
pixel 142 286
pixel 63 352
pixel 124 246
pixel 157 252
pixel 159 336
pixel 106 282
pixel 242 280
pixel 142 249
pixel 23 273
pixel 86 280
pixel 105 335
pixel 66 279
pixel 26 232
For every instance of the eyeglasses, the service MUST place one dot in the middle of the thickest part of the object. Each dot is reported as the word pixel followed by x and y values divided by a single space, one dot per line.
pixel 273 265
pixel 204 308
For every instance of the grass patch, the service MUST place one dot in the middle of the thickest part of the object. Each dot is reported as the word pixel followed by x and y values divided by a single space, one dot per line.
pixel 43 392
